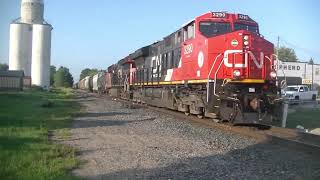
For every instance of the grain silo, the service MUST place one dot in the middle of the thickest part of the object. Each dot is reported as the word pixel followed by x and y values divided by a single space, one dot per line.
pixel 20 47
pixel 30 43
pixel 32 11
pixel 41 52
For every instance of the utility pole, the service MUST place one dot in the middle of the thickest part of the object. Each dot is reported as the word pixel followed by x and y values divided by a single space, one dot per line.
pixel 311 60
pixel 278 46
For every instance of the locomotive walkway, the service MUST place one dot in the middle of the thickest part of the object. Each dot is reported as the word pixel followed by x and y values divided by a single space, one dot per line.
pixel 118 141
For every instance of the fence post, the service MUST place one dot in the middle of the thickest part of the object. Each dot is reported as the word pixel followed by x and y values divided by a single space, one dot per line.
pixel 284 114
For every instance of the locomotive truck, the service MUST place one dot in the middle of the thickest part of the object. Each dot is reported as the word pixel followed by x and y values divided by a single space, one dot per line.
pixel 217 65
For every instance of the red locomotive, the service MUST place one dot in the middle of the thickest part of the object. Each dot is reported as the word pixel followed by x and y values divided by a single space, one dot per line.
pixel 217 65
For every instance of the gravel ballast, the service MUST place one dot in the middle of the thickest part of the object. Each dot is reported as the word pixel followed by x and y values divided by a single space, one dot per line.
pixel 117 142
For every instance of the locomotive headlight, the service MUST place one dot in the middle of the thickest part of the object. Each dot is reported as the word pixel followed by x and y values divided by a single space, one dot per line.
pixel 273 74
pixel 246 40
pixel 236 73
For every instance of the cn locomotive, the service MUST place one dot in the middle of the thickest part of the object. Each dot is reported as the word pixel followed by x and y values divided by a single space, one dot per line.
pixel 217 65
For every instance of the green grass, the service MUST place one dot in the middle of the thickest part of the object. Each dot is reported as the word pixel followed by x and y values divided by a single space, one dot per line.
pixel 309 118
pixel 25 150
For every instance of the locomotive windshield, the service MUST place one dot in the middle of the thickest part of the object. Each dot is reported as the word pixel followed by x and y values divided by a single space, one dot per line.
pixel 251 28
pixel 210 29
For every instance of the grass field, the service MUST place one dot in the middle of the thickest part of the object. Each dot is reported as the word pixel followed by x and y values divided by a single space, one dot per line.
pixel 309 118
pixel 26 118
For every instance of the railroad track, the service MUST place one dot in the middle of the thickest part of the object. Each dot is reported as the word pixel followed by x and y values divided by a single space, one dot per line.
pixel 291 138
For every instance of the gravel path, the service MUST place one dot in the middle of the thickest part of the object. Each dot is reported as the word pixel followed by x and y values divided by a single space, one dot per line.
pixel 121 143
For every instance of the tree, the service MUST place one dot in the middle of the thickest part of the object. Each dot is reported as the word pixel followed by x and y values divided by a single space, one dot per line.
pixel 53 70
pixel 4 67
pixel 286 54
pixel 63 78
pixel 88 72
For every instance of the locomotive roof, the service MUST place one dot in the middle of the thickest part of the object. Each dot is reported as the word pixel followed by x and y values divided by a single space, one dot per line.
pixel 144 51
pixel 147 50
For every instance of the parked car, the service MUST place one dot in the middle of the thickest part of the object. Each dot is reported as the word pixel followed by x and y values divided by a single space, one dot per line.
pixel 300 93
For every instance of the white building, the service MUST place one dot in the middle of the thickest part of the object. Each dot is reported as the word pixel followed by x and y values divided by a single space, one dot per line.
pixel 30 43
pixel 299 73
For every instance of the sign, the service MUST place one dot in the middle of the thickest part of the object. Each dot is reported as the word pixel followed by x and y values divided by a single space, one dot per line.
pixel 289 67
pixel 306 81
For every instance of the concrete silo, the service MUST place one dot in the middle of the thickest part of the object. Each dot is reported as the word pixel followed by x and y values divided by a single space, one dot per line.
pixel 41 52
pixel 30 43
pixel 32 11
pixel 20 46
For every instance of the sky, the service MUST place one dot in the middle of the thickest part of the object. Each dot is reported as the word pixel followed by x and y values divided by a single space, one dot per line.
pixel 97 33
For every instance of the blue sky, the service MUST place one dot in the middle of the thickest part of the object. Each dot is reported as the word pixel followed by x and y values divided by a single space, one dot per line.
pixel 97 33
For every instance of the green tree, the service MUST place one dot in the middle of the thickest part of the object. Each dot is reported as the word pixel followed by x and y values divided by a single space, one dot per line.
pixel 53 70
pixel 4 67
pixel 287 54
pixel 88 72
pixel 63 78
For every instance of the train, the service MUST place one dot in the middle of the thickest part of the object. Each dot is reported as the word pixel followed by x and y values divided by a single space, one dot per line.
pixel 217 65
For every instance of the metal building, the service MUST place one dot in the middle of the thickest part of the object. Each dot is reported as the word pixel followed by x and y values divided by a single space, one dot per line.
pixel 299 73
pixel 11 80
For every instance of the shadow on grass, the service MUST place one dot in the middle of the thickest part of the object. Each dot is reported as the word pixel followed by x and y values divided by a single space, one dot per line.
pixel 16 143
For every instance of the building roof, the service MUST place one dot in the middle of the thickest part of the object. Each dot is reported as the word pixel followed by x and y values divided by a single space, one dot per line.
pixel 11 73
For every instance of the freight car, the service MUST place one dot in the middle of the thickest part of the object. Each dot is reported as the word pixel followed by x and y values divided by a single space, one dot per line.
pixel 86 83
pixel 81 84
pixel 217 65
pixel 98 83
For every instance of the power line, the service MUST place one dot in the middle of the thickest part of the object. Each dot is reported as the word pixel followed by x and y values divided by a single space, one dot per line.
pixel 309 51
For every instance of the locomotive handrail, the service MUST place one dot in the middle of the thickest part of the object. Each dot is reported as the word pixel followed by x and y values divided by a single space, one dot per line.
pixel 215 79
pixel 208 83
pixel 283 83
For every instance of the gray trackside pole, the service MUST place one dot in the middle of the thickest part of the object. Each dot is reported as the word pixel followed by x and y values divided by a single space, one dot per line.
pixel 284 114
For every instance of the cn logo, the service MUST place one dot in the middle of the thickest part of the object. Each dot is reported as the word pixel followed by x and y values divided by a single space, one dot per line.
pixel 246 55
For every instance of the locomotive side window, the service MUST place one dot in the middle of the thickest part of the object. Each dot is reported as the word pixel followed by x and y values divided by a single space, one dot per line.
pixel 251 28
pixel 210 29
